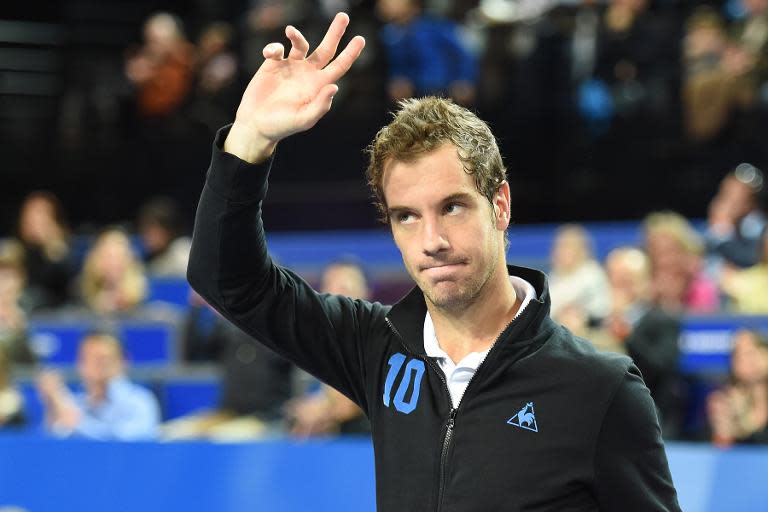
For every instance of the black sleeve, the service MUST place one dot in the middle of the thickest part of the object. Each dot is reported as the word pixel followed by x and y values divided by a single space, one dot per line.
pixel 231 268
pixel 631 469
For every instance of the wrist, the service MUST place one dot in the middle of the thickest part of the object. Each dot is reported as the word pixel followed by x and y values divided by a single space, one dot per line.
pixel 247 146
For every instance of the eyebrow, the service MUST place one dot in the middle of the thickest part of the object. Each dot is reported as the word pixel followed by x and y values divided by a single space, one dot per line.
pixel 458 196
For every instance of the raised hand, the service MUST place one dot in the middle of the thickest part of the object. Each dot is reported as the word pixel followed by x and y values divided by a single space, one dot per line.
pixel 289 95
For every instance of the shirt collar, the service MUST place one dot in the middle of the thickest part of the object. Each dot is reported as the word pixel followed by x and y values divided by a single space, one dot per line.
pixel 523 290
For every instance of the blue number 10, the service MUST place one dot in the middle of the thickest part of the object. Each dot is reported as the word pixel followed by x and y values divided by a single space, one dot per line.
pixel 414 371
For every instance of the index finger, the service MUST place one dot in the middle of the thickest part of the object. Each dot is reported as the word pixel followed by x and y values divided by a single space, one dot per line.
pixel 346 58
pixel 327 47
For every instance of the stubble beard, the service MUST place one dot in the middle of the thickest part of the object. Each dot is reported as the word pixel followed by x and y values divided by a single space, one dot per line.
pixel 464 294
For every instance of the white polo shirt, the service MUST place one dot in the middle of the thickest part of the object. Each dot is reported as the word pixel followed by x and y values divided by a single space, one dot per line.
pixel 458 375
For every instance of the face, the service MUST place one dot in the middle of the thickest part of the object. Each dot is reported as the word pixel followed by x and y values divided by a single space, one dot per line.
pixel 568 252
pixel 667 253
pixel 393 10
pixel 628 284
pixel 98 362
pixel 37 220
pixel 113 256
pixel 344 280
pixel 749 361
pixel 450 237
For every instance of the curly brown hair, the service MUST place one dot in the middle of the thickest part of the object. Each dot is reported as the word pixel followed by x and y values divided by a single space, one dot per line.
pixel 422 125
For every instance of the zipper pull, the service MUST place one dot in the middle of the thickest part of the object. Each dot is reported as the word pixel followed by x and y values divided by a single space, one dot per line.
pixel 451 418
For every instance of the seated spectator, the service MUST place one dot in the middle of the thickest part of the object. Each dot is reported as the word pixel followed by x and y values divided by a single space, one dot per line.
pixel 327 411
pixel 48 259
pixel 747 289
pixel 425 56
pixel 166 252
pixel 11 401
pixel 647 333
pixel 256 382
pixel 162 68
pixel 577 282
pixel 13 317
pixel 738 413
pixel 110 407
pixel 113 279
pixel 736 217
pixel 677 270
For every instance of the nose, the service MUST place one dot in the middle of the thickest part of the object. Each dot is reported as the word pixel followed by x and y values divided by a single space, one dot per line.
pixel 434 237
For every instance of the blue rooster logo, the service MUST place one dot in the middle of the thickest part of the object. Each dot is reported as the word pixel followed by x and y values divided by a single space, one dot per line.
pixel 525 418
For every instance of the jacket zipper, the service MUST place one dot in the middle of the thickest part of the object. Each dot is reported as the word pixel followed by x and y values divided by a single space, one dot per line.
pixel 454 410
pixel 451 414
pixel 444 457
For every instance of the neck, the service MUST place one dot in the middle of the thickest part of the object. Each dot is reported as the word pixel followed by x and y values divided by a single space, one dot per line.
pixel 475 327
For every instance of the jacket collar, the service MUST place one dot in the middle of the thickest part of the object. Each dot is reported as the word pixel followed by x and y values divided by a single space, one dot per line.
pixel 407 316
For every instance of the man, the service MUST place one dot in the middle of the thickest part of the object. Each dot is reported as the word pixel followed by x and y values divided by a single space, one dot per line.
pixel 646 332
pixel 110 408
pixel 477 400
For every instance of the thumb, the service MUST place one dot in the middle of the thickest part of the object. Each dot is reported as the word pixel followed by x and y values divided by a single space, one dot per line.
pixel 319 106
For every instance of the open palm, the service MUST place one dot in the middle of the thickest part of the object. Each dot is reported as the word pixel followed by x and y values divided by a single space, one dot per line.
pixel 289 95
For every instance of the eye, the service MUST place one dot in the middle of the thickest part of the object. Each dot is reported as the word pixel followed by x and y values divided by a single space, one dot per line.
pixel 404 217
pixel 453 208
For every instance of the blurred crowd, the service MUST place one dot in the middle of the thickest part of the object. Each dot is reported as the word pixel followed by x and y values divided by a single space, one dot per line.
pixel 598 97
pixel 633 302
pixel 604 66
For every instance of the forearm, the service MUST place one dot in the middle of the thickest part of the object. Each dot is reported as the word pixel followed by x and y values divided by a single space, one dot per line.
pixel 231 268
pixel 228 241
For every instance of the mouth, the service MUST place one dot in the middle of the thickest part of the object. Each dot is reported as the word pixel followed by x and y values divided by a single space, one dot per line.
pixel 442 269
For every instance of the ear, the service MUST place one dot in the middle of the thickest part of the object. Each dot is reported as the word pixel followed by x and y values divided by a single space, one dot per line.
pixel 501 207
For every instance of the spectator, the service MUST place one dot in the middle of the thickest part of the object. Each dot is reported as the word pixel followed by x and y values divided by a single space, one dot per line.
pixel 328 411
pixel 634 57
pixel 738 413
pixel 256 382
pixel 113 279
pixel 748 289
pixel 216 89
pixel 110 407
pixel 736 219
pixel 716 79
pixel 577 282
pixel 677 270
pixel 647 333
pixel 166 251
pixel 13 318
pixel 48 259
pixel 426 56
pixel 161 69
pixel 11 401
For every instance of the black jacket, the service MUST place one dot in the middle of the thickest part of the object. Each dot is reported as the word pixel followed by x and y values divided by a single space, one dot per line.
pixel 547 423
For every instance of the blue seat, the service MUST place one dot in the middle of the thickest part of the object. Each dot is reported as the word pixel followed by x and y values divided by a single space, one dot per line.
pixel 148 343
pixel 55 341
pixel 171 290
pixel 183 396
